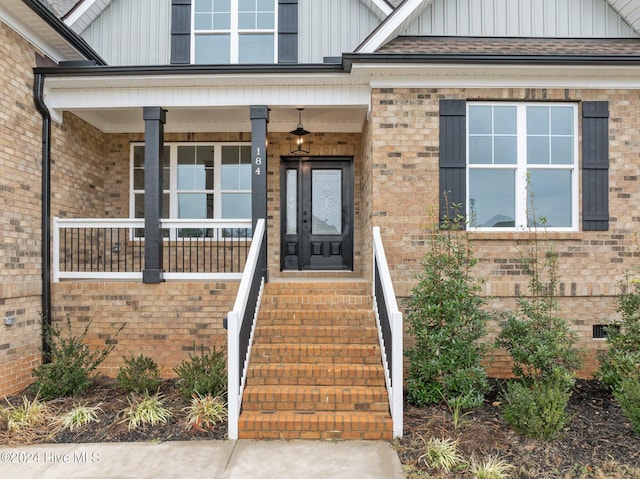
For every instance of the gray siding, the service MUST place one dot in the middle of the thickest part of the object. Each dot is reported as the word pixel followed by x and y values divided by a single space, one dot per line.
pixel 332 27
pixel 521 18
pixel 133 32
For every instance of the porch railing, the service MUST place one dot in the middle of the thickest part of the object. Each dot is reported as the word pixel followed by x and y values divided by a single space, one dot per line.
pixel 390 331
pixel 241 325
pixel 88 248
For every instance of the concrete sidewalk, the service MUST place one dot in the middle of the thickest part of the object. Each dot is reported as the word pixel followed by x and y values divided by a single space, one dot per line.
pixel 243 459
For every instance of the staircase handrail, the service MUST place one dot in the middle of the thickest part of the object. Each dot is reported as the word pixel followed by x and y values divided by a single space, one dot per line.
pixel 390 331
pixel 241 326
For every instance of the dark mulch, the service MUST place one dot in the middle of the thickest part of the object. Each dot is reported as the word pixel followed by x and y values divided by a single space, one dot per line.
pixel 111 428
pixel 598 443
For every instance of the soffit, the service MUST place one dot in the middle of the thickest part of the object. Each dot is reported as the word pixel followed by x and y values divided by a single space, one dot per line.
pixel 629 10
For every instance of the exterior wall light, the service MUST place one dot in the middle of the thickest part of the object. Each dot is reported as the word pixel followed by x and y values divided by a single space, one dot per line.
pixel 297 135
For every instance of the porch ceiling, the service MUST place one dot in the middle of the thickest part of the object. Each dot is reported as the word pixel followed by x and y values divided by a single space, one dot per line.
pixel 332 102
pixel 215 119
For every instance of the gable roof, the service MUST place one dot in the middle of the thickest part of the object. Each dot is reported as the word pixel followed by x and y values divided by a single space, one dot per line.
pixel 408 10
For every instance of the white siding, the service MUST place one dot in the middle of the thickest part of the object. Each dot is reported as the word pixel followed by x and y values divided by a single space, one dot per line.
pixel 521 18
pixel 329 28
pixel 133 32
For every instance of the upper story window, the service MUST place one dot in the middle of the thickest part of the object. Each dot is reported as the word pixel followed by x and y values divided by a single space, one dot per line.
pixel 200 181
pixel 234 31
pixel 522 166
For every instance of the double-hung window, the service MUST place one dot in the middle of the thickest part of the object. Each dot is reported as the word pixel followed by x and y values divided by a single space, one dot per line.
pixel 234 31
pixel 200 181
pixel 522 166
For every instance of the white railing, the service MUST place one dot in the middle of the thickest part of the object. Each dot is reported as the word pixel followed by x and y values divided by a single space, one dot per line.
pixel 113 248
pixel 390 331
pixel 241 323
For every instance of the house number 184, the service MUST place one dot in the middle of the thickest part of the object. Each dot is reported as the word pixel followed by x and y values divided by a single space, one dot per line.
pixel 258 161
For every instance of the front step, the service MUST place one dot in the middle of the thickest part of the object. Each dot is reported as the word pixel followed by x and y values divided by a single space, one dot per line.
pixel 315 370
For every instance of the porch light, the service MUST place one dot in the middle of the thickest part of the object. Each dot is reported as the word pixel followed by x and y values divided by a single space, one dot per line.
pixel 298 134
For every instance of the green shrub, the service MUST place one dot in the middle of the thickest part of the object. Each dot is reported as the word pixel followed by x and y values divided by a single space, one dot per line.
pixel 537 411
pixel 203 374
pixel 446 319
pixel 145 410
pixel 622 360
pixel 628 396
pixel 139 374
pixel 541 345
pixel 70 363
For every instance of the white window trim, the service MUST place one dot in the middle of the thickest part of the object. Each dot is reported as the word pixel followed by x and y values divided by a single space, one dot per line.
pixel 173 178
pixel 521 170
pixel 234 34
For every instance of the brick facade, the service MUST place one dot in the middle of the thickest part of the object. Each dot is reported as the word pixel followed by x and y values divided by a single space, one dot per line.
pixel 20 186
pixel 404 197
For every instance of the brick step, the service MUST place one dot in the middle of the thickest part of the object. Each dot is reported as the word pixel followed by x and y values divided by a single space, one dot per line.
pixel 318 374
pixel 319 425
pixel 318 287
pixel 316 334
pixel 316 317
pixel 315 301
pixel 315 353
pixel 315 398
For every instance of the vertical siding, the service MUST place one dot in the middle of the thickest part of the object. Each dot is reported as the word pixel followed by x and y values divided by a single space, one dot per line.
pixel 133 32
pixel 332 27
pixel 521 18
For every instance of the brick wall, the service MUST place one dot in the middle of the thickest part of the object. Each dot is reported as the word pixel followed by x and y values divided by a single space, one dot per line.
pixel 404 197
pixel 164 321
pixel 20 180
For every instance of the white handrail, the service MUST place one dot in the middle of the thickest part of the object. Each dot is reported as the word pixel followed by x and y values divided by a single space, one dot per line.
pixel 235 387
pixel 395 378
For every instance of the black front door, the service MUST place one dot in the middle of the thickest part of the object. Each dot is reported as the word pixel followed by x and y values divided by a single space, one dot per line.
pixel 317 213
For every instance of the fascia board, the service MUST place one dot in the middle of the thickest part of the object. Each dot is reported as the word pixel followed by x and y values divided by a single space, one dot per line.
pixel 85 13
pixel 629 10
pixel 399 19
pixel 482 75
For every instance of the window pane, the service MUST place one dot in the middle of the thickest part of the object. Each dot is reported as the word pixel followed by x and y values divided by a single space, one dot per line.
pixel 203 21
pixel 480 120
pixel 538 150
pixel 256 48
pixel 537 120
pixel 236 205
pixel 138 156
pixel 266 6
pixel 505 150
pixel 504 120
pixel 222 21
pixel 212 49
pixel 326 202
pixel 561 120
pixel 492 198
pixel 246 5
pixel 562 150
pixel 203 6
pixel 292 202
pixel 265 21
pixel 480 150
pixel 247 21
pixel 236 168
pixel 551 200
pixel 138 179
pixel 195 205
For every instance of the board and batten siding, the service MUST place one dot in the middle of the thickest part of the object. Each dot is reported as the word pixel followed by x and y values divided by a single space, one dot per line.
pixel 521 18
pixel 329 28
pixel 133 32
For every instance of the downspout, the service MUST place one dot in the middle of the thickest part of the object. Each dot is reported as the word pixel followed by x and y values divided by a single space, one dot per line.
pixel 38 95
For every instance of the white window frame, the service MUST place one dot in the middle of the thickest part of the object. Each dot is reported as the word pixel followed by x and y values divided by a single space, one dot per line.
pixel 234 34
pixel 521 167
pixel 173 190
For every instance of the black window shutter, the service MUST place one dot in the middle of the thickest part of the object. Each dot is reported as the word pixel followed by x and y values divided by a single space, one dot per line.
pixel 287 31
pixel 595 166
pixel 180 31
pixel 453 159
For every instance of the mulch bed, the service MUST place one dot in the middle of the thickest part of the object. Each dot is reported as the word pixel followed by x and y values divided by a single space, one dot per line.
pixel 599 442
pixel 111 428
